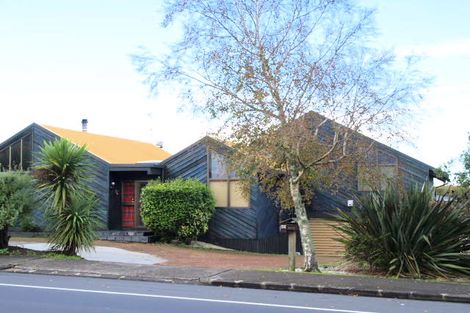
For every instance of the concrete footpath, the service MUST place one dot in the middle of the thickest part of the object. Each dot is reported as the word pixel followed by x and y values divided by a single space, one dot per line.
pixel 300 282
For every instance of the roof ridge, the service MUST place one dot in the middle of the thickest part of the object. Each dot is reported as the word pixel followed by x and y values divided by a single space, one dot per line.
pixel 95 134
pixel 111 149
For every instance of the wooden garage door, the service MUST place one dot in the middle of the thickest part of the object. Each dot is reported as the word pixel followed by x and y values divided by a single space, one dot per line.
pixel 324 235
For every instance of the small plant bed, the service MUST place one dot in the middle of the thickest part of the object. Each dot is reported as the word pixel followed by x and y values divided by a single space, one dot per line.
pixel 18 251
pixel 407 233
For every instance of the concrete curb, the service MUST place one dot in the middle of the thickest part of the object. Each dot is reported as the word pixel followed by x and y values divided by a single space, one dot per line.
pixel 215 280
pixel 19 270
pixel 351 291
pixel 6 266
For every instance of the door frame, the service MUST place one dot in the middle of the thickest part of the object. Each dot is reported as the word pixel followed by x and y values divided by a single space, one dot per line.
pixel 135 203
pixel 138 223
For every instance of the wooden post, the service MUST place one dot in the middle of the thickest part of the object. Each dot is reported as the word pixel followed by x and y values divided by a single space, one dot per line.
pixel 291 246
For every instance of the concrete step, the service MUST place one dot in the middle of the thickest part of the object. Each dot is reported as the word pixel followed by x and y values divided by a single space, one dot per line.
pixel 125 233
pixel 112 235
pixel 127 236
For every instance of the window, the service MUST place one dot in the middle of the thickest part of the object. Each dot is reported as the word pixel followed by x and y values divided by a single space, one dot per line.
pixel 27 152
pixel 4 159
pixel 220 190
pixel 18 155
pixel 225 186
pixel 218 167
pixel 379 168
pixel 237 198
pixel 368 177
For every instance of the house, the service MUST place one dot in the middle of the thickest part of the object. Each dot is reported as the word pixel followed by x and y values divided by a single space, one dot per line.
pixel 253 224
pixel 123 167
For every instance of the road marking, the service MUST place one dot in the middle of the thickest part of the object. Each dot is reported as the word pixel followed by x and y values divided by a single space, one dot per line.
pixel 184 298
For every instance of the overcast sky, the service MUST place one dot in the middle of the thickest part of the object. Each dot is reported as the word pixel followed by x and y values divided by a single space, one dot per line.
pixel 63 60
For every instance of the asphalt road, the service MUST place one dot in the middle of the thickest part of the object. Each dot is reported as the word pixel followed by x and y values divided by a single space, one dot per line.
pixel 41 293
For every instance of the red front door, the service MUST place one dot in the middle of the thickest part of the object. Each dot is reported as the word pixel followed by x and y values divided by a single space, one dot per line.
pixel 128 204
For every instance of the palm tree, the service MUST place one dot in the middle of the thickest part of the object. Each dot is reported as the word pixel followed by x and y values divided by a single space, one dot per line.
pixel 75 227
pixel 62 174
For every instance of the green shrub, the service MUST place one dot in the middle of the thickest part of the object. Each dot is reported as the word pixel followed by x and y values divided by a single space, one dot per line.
pixel 178 209
pixel 16 197
pixel 27 224
pixel 407 233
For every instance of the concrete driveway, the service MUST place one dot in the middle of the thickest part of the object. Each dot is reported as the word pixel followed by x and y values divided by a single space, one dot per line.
pixel 104 254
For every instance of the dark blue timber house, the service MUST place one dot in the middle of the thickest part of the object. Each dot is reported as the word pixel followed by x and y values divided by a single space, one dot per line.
pixel 122 167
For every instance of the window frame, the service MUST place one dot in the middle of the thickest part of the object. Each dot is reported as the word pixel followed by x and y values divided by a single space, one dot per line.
pixel 362 185
pixel 21 142
pixel 230 178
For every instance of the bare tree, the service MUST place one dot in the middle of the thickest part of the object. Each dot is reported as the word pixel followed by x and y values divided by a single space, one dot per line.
pixel 262 65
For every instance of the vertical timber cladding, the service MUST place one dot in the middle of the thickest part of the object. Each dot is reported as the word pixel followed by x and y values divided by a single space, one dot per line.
pixel 324 236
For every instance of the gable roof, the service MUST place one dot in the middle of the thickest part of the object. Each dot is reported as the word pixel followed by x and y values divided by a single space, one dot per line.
pixel 379 145
pixel 112 149
pixel 404 158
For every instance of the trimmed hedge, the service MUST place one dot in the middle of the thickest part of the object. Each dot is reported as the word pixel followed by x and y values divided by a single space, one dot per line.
pixel 178 209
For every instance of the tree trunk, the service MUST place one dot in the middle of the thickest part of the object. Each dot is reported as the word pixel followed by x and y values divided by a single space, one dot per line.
pixel 4 238
pixel 70 250
pixel 308 245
